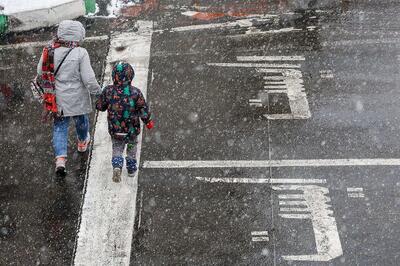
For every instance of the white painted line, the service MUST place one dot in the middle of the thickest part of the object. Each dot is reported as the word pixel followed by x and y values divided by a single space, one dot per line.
pixel 273 78
pixel 286 117
pixel 291 196
pixel 40 44
pixel 245 23
pixel 326 74
pixel 295 215
pixel 108 211
pixel 255 65
pixel 259 233
pixel 356 195
pixel 293 209
pixel 276 91
pixel 256 31
pixel 272 163
pixel 261 180
pixel 260 239
pixel 271 58
pixel 278 72
pixel 354 189
pixel 358 42
pixel 255 102
pixel 292 202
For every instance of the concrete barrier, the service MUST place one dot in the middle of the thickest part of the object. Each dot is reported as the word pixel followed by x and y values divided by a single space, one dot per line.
pixel 31 14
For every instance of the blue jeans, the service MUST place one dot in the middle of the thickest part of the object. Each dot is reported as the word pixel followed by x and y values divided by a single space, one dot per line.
pixel 60 132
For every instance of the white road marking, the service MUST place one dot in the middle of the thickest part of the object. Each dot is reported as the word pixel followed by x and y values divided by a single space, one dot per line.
pixel 261 180
pixel 317 204
pixel 289 209
pixel 260 239
pixel 295 215
pixel 259 236
pixel 255 102
pixel 326 74
pixel 290 196
pixel 273 163
pixel 289 75
pixel 291 202
pixel 259 233
pixel 296 94
pixel 256 31
pixel 108 210
pixel 254 65
pixel 354 189
pixel 276 91
pixel 356 195
pixel 40 44
pixel 270 58
pixel 293 81
pixel 355 192
pixel 273 78
pixel 324 224
pixel 245 23
pixel 358 42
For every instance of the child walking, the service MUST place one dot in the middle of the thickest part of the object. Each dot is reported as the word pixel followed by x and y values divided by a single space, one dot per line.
pixel 125 105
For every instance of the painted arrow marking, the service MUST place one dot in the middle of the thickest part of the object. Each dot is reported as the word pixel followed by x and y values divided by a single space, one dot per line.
pixel 288 75
pixel 302 199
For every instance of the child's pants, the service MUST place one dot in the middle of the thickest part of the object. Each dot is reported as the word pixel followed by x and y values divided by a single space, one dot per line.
pixel 118 147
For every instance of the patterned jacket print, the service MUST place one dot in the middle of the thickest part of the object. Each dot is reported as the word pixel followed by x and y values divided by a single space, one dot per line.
pixel 125 105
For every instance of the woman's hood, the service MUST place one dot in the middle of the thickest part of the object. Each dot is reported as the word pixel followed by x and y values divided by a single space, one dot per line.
pixel 71 31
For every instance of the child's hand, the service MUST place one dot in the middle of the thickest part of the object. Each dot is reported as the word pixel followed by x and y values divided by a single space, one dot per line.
pixel 150 125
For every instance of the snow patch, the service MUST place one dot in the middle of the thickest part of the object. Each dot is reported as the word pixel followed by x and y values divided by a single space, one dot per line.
pixel 11 7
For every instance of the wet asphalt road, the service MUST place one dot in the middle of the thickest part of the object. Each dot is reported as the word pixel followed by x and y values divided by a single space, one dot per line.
pixel 202 113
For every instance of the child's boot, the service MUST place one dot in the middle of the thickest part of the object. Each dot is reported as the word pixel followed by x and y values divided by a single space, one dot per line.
pixel 116 175
pixel 131 166
pixel 117 163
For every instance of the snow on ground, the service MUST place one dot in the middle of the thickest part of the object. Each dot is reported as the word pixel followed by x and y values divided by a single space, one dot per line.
pixel 115 5
pixel 11 7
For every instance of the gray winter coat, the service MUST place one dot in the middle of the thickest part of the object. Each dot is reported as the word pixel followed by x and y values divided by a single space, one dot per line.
pixel 75 80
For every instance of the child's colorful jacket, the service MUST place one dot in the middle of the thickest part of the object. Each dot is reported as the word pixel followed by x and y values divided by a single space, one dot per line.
pixel 125 104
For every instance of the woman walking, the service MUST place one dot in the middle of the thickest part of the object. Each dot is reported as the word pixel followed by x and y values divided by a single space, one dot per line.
pixel 65 67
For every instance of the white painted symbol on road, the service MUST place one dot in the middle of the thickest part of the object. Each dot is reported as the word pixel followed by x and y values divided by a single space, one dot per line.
pixel 355 192
pixel 326 74
pixel 311 202
pixel 280 77
pixel 259 236
pixel 302 199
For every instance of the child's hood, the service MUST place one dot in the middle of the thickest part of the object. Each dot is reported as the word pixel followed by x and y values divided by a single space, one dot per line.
pixel 122 74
